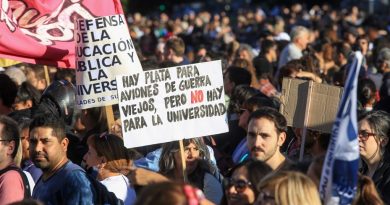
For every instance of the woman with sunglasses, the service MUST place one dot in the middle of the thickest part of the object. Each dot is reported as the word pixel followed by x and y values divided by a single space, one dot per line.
pixel 200 171
pixel 374 133
pixel 240 189
pixel 108 155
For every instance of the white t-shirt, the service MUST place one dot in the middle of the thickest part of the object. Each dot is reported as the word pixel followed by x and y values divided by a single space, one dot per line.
pixel 121 187
pixel 30 181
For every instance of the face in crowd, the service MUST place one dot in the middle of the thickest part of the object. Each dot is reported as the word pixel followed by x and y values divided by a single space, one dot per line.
pixel 24 135
pixel 191 155
pixel 239 190
pixel 91 158
pixel 7 148
pixel 46 150
pixel 371 144
pixel 264 140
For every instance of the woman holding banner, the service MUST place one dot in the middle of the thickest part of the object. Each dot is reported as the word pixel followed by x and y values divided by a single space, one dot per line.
pixel 108 155
pixel 200 170
pixel 374 133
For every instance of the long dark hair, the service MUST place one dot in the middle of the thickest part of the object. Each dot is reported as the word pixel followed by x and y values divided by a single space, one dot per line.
pixel 167 160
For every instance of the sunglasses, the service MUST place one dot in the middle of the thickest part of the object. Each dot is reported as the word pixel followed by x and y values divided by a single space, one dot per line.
pixel 240 185
pixel 364 135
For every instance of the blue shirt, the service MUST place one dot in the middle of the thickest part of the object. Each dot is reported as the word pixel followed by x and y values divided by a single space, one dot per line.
pixel 241 153
pixel 69 185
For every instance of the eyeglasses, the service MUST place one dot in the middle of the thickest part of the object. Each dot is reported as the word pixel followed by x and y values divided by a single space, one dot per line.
pixel 240 185
pixel 364 135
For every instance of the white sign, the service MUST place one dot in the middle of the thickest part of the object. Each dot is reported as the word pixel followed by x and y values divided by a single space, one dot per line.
pixel 104 50
pixel 172 103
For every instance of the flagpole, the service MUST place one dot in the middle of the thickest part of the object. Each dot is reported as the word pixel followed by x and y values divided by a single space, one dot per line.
pixel 339 175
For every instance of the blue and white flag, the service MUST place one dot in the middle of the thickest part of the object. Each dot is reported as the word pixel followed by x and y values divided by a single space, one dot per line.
pixel 340 171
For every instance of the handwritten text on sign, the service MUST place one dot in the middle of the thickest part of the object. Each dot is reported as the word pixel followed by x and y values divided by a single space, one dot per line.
pixel 104 49
pixel 172 103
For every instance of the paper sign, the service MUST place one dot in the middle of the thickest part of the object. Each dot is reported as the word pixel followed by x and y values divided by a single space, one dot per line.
pixel 316 102
pixel 104 50
pixel 172 103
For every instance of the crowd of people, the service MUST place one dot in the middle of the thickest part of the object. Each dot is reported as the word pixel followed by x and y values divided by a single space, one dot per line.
pixel 53 153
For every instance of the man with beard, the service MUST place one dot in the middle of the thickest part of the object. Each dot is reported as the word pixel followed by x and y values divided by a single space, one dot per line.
pixel 266 134
pixel 62 182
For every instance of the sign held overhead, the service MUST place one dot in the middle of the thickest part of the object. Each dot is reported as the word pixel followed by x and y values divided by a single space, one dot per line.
pixel 314 102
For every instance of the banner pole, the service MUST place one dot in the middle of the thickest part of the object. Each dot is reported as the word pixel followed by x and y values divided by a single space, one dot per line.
pixel 47 76
pixel 183 160
pixel 110 116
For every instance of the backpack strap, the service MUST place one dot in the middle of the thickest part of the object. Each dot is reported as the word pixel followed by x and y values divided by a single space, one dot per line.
pixel 26 184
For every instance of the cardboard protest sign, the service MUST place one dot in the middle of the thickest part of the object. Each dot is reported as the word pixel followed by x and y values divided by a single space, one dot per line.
pixel 172 103
pixel 104 50
pixel 315 102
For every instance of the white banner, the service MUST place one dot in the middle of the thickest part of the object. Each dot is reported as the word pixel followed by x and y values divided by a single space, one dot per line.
pixel 104 50
pixel 172 103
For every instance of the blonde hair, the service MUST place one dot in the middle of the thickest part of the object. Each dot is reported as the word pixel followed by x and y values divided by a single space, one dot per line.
pixel 291 188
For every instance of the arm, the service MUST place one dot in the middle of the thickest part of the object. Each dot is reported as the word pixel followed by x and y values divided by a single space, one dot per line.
pixel 310 75
pixel 144 177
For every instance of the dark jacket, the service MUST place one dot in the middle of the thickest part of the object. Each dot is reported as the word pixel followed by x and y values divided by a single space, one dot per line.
pixel 385 88
pixel 381 178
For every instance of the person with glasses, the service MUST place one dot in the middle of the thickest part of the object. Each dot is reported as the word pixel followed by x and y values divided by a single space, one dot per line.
pixel 240 188
pixel 374 132
pixel 287 188
pixel 107 154
pixel 12 187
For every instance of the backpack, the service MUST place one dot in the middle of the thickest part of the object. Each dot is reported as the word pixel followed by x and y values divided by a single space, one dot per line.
pixel 26 184
pixel 102 195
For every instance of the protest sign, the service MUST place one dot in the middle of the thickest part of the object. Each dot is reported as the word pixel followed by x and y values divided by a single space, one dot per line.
pixel 41 32
pixel 309 104
pixel 172 103
pixel 104 49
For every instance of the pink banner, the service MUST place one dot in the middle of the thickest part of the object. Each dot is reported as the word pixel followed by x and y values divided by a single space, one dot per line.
pixel 41 31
